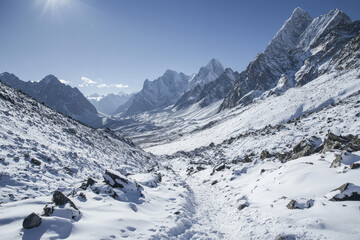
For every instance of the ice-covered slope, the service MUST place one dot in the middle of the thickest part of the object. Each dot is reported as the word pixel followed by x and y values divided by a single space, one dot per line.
pixel 60 97
pixel 299 53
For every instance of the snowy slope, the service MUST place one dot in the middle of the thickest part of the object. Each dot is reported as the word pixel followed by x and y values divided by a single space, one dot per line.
pixel 43 151
pixel 273 110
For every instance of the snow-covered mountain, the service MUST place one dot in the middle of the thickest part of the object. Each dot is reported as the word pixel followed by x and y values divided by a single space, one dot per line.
pixel 158 94
pixel 209 92
pixel 300 52
pixel 60 97
pixel 206 75
pixel 110 103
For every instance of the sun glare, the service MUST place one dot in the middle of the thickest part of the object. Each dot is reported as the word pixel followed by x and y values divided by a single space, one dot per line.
pixel 55 7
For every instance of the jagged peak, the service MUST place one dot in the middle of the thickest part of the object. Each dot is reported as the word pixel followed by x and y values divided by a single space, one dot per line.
pixel 299 12
pixel 340 15
pixel 214 64
pixel 50 79
pixel 288 36
pixel 7 74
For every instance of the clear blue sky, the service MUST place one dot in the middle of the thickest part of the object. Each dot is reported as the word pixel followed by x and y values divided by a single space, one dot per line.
pixel 113 42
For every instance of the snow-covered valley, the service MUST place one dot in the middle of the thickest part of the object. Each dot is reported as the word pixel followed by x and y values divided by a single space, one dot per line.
pixel 277 160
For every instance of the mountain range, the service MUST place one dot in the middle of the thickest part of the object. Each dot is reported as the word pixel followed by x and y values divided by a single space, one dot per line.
pixel 59 96
pixel 272 152
pixel 110 103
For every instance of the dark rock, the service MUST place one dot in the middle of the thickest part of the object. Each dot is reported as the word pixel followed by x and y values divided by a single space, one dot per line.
pixel 68 171
pixel 262 170
pixel 82 196
pixel 35 162
pixel 48 210
pixel 115 179
pixel 295 205
pixel 265 154
pixel 31 221
pixel 177 213
pixel 214 182
pixel 283 157
pixel 247 159
pixel 60 199
pixel 286 237
pixel 200 168
pixel 159 177
pixel 88 183
pixel 292 205
pixel 306 147
pixel 355 165
pixel 220 167
pixel 242 206
pixel 348 192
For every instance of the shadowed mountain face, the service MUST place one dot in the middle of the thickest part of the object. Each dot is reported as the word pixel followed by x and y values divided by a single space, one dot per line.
pixel 209 92
pixel 157 94
pixel 300 52
pixel 60 97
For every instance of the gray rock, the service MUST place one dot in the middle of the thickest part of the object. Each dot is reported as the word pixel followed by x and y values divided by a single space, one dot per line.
pixel 31 221
pixel 48 210
pixel 60 199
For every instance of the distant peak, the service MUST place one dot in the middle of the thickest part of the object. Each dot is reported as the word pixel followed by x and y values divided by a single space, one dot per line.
pixel 338 14
pixel 299 10
pixel 300 13
pixel 214 61
pixel 50 79
pixel 214 65
pixel 169 71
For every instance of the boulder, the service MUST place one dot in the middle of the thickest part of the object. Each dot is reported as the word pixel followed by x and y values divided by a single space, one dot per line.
pixel 60 199
pixel 301 204
pixel 88 183
pixel 48 210
pixel 306 147
pixel 346 192
pixel 265 154
pixel 115 180
pixel 336 141
pixel 31 221
pixel 35 162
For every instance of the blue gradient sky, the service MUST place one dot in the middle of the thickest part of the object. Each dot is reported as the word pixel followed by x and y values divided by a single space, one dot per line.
pixel 113 42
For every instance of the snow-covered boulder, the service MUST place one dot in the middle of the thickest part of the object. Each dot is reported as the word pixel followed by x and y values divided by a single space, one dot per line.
pixel 346 192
